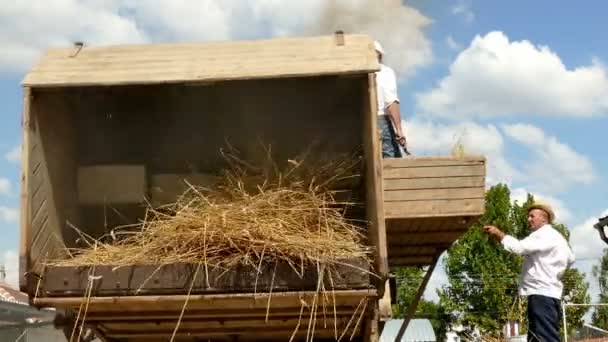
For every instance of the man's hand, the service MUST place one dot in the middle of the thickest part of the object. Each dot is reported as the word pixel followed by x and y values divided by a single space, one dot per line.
pixel 494 232
pixel 401 140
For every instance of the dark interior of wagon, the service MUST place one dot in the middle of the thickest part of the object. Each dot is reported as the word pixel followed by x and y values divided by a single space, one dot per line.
pixel 122 142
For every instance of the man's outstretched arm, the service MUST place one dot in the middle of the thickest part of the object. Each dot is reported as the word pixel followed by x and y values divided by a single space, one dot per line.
pixel 528 245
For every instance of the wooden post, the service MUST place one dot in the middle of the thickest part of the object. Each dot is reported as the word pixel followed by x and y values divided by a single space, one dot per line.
pixel 371 331
pixel 374 191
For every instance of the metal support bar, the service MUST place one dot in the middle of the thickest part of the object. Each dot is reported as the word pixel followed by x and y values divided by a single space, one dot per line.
pixel 412 309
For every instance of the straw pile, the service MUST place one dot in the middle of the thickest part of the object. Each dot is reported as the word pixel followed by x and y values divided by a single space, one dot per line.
pixel 249 218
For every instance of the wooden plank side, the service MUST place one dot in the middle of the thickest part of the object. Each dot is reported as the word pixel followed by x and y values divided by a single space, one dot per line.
pixel 168 327
pixel 40 222
pixel 50 181
pixel 57 131
pixel 438 161
pixel 433 171
pixel 203 315
pixel 433 194
pixel 416 224
pixel 411 261
pixel 251 334
pixel 430 224
pixel 24 221
pixel 242 301
pixel 434 208
pixel 212 61
pixel 432 183
pixel 435 238
pixel 398 253
pixel 177 279
pixel 373 176
pixel 111 184
pixel 398 250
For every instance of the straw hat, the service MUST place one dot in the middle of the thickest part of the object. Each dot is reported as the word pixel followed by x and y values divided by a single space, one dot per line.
pixel 544 207
pixel 378 47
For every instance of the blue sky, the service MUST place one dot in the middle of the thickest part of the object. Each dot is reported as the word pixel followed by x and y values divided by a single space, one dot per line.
pixel 573 33
pixel 571 30
pixel 522 82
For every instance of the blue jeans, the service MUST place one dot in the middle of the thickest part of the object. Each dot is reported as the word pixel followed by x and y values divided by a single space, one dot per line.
pixel 390 148
pixel 543 319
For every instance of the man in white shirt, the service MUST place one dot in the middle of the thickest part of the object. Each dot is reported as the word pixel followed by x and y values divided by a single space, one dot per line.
pixel 547 256
pixel 389 115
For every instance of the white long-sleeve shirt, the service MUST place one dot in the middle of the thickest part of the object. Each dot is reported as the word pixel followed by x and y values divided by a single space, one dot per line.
pixel 547 255
pixel 386 84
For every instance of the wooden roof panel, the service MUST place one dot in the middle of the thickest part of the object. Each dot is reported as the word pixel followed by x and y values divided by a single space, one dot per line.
pixel 203 62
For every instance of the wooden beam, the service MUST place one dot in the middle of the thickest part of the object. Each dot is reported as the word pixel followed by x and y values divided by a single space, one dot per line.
pixel 412 308
pixel 433 183
pixel 205 315
pixel 205 301
pixel 439 238
pixel 433 194
pixel 177 279
pixel 434 208
pixel 433 171
pixel 421 245
pixel 230 325
pixel 203 63
pixel 373 176
pixel 429 224
pixel 260 333
pixel 371 331
pixel 411 261
pixel 438 161
pixel 25 285
pixel 400 250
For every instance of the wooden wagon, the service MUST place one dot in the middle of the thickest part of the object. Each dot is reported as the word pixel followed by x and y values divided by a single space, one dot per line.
pixel 106 127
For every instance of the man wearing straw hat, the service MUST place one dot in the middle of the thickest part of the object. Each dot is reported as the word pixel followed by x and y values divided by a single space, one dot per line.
pixel 389 115
pixel 547 256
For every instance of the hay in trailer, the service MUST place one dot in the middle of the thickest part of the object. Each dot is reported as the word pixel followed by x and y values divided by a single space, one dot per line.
pixel 254 216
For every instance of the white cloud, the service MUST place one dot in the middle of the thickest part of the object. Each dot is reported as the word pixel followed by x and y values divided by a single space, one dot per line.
pixel 11 264
pixel 5 186
pixel 562 213
pixel 588 249
pixel 555 165
pixel 14 155
pixel 495 76
pixel 59 22
pixel 452 44
pixel 9 215
pixel 551 167
pixel 431 138
pixel 463 8
pixel 406 46
pixel 585 240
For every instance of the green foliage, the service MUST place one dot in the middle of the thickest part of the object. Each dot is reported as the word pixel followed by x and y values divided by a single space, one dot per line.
pixel 576 290
pixel 600 314
pixel 483 277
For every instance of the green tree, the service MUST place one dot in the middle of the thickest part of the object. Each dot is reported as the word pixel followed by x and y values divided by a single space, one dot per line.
pixel 409 280
pixel 576 290
pixel 600 314
pixel 483 277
